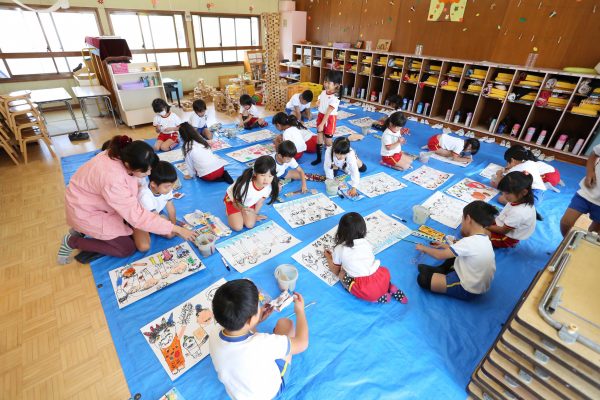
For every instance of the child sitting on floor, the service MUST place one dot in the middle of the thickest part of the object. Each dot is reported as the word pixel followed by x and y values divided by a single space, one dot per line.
pixel 352 260
pixel 341 157
pixel 199 158
pixel 154 196
pixel 166 125
pixel 452 147
pixel 470 262
pixel 392 141
pixel 246 196
pixel 518 158
pixel 250 364
pixel 249 113
pixel 198 119
pixel 295 131
pixel 299 105
pixel 550 176
pixel 284 159
pixel 517 219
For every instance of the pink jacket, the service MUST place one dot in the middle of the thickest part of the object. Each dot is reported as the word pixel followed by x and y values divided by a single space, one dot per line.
pixel 101 194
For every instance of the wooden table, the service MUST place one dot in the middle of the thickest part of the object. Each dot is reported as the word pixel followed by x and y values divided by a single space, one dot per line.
pixel 93 92
pixel 56 95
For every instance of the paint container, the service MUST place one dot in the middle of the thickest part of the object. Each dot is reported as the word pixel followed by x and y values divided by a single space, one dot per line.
pixel 365 130
pixel 287 276
pixel 420 214
pixel 424 156
pixel 331 187
pixel 206 244
pixel 457 117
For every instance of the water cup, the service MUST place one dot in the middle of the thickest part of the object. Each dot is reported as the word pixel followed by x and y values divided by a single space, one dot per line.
pixel 424 157
pixel 331 187
pixel 420 214
pixel 365 130
pixel 286 275
pixel 206 244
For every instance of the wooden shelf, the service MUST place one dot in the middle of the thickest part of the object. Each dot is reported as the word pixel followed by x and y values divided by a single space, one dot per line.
pixel 136 73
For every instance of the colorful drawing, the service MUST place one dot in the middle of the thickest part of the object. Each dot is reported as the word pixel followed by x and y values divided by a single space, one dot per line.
pixel 469 190
pixel 182 166
pixel 378 184
pixel 258 136
pixel 172 394
pixel 307 210
pixel 450 160
pixel 383 44
pixel 341 130
pixel 446 10
pixel 321 178
pixel 365 121
pixel 138 279
pixel 171 156
pixel 310 124
pixel 344 114
pixel 382 232
pixel 490 171
pixel 445 209
pixel 255 246
pixel 428 177
pixel 252 152
pixel 179 338
pixel 219 144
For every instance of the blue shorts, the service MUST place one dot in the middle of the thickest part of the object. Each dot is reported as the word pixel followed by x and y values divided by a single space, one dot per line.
pixel 584 206
pixel 455 289
pixel 285 368
pixel 538 195
pixel 289 111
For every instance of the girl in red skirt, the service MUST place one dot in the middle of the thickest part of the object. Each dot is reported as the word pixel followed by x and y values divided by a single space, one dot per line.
pixel 353 261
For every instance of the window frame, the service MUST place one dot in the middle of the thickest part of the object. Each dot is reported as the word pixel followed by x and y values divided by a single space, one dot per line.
pixel 204 49
pixel 45 54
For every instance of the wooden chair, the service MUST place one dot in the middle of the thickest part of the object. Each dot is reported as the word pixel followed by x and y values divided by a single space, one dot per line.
pixel 7 146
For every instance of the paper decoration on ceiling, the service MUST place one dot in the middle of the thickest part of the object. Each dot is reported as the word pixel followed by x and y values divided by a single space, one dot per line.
pixel 154 3
pixel 447 10
pixel 210 5
pixel 251 8
pixel 100 1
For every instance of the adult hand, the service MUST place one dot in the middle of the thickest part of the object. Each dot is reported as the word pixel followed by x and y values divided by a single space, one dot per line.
pixel 184 233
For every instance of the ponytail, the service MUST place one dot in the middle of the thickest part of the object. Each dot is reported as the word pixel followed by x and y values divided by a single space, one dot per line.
pixel 519 153
pixel 188 135
pixel 262 165
pixel 137 154
pixel 284 119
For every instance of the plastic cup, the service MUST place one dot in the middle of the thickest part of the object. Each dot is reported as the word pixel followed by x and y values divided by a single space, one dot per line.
pixel 365 130
pixel 420 214
pixel 424 157
pixel 206 244
pixel 331 187
pixel 286 275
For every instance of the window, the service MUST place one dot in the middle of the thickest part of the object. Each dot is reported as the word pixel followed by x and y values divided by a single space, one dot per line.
pixel 52 43
pixel 224 38
pixel 155 36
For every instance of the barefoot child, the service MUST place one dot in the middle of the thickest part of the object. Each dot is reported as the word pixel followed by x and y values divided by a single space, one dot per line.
pixel 518 158
pixel 392 141
pixel 249 114
pixel 299 105
pixel 452 147
pixel 199 158
pixel 166 125
pixel 284 159
pixel 341 157
pixel 329 101
pixel 296 132
pixel 198 119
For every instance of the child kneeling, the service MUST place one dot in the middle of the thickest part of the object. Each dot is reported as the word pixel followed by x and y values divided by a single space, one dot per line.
pixel 284 159
pixel 470 262
pixel 392 141
pixel 199 157
pixel 353 261
pixel 253 365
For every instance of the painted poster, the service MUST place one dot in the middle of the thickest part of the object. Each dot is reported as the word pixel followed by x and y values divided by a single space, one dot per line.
pixel 469 190
pixel 258 136
pixel 445 209
pixel 219 144
pixel 252 152
pixel 446 10
pixel 307 210
pixel 378 184
pixel 490 171
pixel 428 177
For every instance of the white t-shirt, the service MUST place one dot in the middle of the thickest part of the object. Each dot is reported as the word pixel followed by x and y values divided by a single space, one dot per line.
pixel 592 195
pixel 358 260
pixel 170 121
pixel 390 137
pixel 246 364
pixel 475 263
pixel 295 135
pixel 544 168
pixel 521 217
pixel 151 201
pixel 349 166
pixel 202 161
pixel 281 168
pixel 451 143
pixel 295 102
pixel 532 168
pixel 251 111
pixel 197 121
pixel 326 100
pixel 253 196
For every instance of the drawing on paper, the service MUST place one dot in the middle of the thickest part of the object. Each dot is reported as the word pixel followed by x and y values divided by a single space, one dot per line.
pixel 179 338
pixel 490 171
pixel 172 394
pixel 365 121
pixel 219 144
pixel 344 114
pixel 182 166
pixel 307 210
pixel 341 130
pixel 450 160
pixel 258 136
pixel 382 232
pixel 256 246
pixel 445 209
pixel 310 124
pixel 378 184
pixel 140 278
pixel 171 156
pixel 252 152
pixel 469 190
pixel 428 177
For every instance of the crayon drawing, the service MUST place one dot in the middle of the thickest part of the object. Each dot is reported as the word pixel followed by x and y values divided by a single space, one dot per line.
pixel 490 171
pixel 341 130
pixel 307 210
pixel 378 184
pixel 344 114
pixel 450 160
pixel 469 190
pixel 252 152
pixel 219 144
pixel 428 177
pixel 445 209
pixel 171 156
pixel 365 121
pixel 258 136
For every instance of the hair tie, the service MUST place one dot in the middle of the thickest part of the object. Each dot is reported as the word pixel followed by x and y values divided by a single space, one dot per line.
pixel 526 173
pixel 124 140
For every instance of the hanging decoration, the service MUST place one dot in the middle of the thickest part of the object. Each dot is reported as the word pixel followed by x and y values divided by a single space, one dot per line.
pixel 552 14
pixel 210 5
pixel 251 8
pixel 64 4
pixel 100 1
pixel 446 10
pixel 154 3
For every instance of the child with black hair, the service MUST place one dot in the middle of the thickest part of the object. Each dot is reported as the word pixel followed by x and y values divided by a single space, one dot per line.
pixel 284 159
pixel 470 262
pixel 329 102
pixel 199 157
pixel 393 101
pixel 198 119
pixel 246 196
pixel 294 131
pixel 251 364
pixel 392 141
pixel 299 105
pixel 452 147
pixel 341 157
pixel 518 158
pixel 249 113
pixel 166 124
pixel 516 221
pixel 352 260
pixel 550 176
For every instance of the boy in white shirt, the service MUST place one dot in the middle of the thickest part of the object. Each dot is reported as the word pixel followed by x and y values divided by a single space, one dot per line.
pixel 198 119
pixel 341 157
pixel 299 105
pixel 249 113
pixel 253 365
pixel 470 262
pixel 166 124
pixel 453 147
pixel 284 159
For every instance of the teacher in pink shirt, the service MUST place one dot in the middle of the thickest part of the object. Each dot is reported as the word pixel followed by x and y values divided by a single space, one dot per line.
pixel 101 202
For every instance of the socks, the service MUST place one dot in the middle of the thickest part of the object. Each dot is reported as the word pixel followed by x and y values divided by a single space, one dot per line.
pixel 65 251
pixel 318 160
pixel 384 298
pixel 363 168
pixel 397 294
pixel 227 178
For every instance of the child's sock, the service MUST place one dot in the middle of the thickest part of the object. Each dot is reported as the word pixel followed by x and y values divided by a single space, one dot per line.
pixel 318 160
pixel 384 298
pixel 397 294
pixel 227 178
pixel 65 251
pixel 363 168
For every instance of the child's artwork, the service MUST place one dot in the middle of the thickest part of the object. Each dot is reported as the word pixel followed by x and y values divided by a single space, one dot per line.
pixel 310 124
pixel 171 156
pixel 445 209
pixel 182 166
pixel 219 144
pixel 252 152
pixel 255 246
pixel 343 193
pixel 321 178
pixel 378 184
pixel 444 11
pixel 341 130
pixel 138 279
pixel 428 177
pixel 365 121
pixel 307 210
pixel 258 136
pixel 344 114
pixel 382 232
pixel 172 394
pixel 469 190
pixel 450 160
pixel 490 171
pixel 179 338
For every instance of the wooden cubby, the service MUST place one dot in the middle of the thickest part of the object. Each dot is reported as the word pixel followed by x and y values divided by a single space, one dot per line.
pixel 413 77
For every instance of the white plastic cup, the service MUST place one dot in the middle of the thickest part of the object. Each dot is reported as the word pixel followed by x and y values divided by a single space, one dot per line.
pixel 424 157
pixel 365 130
pixel 206 244
pixel 286 275
pixel 331 187
pixel 420 214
